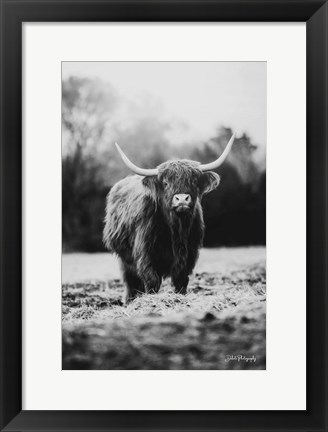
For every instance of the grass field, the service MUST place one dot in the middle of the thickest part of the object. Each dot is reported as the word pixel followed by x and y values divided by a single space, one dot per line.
pixel 221 318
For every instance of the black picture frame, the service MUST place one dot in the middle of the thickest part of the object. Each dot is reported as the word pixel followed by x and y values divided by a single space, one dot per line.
pixel 16 12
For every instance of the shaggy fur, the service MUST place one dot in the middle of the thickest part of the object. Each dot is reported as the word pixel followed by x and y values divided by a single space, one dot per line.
pixel 153 239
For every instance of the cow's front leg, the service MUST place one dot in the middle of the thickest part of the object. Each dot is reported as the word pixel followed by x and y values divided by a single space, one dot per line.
pixel 134 285
pixel 150 278
pixel 180 282
pixel 152 283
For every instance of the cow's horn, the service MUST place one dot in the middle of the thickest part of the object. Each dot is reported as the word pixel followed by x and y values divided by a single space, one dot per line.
pixel 133 167
pixel 212 165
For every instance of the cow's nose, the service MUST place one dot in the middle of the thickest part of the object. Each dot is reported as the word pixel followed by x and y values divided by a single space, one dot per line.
pixel 181 199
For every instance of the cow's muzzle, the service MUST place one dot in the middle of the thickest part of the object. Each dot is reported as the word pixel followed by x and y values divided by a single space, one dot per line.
pixel 181 203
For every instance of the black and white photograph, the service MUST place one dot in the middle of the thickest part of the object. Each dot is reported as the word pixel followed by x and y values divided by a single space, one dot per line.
pixel 164 215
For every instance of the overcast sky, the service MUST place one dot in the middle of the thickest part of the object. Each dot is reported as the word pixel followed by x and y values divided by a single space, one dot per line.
pixel 195 97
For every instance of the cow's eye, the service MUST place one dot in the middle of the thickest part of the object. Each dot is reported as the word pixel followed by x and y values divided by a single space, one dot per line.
pixel 165 183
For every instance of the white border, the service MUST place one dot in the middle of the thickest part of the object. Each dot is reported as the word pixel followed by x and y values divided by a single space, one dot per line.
pixel 282 386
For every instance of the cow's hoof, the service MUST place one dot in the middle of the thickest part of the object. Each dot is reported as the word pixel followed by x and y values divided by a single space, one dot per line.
pixel 181 291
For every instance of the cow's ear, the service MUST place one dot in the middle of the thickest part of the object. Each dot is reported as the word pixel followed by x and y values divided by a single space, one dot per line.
pixel 208 182
pixel 151 184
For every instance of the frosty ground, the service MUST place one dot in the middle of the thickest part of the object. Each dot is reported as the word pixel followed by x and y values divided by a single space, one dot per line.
pixel 219 324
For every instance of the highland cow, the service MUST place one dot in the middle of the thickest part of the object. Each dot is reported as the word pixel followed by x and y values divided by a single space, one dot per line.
pixel 154 222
